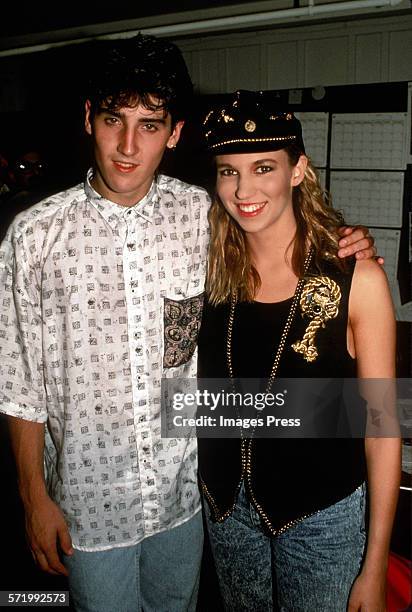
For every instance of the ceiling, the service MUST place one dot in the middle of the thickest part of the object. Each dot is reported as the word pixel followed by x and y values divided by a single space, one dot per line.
pixel 26 17
pixel 36 25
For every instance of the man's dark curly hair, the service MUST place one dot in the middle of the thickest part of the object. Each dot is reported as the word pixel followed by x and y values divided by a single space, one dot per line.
pixel 135 70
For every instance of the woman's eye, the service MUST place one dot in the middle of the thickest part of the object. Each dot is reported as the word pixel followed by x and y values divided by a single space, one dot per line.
pixel 227 172
pixel 264 169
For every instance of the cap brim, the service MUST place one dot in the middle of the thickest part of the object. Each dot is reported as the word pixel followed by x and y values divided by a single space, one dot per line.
pixel 254 145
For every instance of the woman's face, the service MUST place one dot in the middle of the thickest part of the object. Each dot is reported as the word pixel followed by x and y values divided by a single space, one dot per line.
pixel 256 188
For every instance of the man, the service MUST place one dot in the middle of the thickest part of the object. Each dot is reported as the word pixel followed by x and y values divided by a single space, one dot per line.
pixel 89 286
pixel 102 291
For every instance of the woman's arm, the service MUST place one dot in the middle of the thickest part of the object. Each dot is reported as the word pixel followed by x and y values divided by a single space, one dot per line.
pixel 373 329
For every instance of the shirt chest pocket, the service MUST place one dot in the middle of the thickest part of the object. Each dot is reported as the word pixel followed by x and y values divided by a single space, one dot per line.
pixel 182 319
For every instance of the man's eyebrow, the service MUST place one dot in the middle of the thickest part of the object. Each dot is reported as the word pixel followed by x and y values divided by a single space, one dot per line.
pixel 119 115
pixel 109 111
pixel 152 120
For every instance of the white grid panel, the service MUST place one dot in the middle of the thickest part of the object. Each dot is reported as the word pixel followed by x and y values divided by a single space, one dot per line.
pixel 387 245
pixel 369 140
pixel 315 136
pixel 367 197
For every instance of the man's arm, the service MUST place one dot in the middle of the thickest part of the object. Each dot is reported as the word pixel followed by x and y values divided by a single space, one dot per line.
pixel 22 389
pixel 46 527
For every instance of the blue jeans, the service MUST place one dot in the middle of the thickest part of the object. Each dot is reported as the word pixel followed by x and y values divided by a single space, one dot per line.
pixel 308 568
pixel 161 574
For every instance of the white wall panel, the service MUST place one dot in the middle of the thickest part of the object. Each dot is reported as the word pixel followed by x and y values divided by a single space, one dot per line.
pixel 368 58
pixel 375 50
pixel 400 55
pixel 282 67
pixel 326 61
pixel 244 68
pixel 211 72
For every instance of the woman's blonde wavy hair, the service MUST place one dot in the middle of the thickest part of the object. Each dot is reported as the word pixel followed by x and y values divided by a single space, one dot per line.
pixel 230 269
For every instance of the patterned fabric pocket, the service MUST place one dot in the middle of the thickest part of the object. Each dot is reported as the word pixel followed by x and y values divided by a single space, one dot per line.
pixel 182 320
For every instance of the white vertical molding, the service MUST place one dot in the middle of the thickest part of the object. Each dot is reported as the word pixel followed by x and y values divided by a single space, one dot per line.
pixel 350 58
pixel 188 57
pixel 267 63
pixel 194 69
pixel 209 70
pixel 409 158
pixel 301 70
pixel 225 70
pixel 264 65
pixel 385 56
pixel 222 71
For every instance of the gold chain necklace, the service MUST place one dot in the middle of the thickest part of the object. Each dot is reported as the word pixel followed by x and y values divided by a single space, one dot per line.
pixel 285 331
pixel 246 442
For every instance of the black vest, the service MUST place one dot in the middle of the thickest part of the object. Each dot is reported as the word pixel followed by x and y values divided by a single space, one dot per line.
pixel 285 479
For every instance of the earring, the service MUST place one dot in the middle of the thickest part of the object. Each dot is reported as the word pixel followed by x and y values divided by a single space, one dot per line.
pixel 172 147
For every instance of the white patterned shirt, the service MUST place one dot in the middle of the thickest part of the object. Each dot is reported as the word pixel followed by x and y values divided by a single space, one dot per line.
pixel 99 302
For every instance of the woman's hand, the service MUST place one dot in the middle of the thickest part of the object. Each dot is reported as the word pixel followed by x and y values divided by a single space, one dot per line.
pixel 368 593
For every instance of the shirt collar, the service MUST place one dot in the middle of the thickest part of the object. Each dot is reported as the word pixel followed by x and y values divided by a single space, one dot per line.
pixel 114 213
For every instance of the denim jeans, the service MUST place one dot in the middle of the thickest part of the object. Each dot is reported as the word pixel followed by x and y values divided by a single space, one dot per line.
pixel 161 574
pixel 308 568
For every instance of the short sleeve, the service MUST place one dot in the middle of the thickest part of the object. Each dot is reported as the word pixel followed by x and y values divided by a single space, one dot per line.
pixel 22 389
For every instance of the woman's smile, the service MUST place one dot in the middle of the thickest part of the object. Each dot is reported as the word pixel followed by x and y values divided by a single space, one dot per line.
pixel 250 209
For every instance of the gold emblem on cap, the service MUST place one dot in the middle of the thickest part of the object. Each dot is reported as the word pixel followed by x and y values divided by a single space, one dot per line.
pixel 227 118
pixel 250 126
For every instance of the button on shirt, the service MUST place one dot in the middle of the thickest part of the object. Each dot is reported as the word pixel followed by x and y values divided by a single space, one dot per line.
pixel 93 297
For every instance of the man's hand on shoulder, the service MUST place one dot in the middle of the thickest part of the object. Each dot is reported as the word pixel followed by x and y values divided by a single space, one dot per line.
pixel 357 241
pixel 47 534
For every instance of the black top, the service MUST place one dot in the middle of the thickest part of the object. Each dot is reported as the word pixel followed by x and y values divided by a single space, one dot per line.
pixel 291 478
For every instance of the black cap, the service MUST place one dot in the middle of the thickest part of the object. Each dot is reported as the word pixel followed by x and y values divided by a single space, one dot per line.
pixel 250 122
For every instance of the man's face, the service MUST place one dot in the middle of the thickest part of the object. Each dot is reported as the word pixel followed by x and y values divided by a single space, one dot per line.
pixel 30 170
pixel 129 143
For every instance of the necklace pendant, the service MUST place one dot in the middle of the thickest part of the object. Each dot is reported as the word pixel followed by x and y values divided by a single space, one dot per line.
pixel 309 351
pixel 319 302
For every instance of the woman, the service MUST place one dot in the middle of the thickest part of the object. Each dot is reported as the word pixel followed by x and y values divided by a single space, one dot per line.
pixel 286 516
